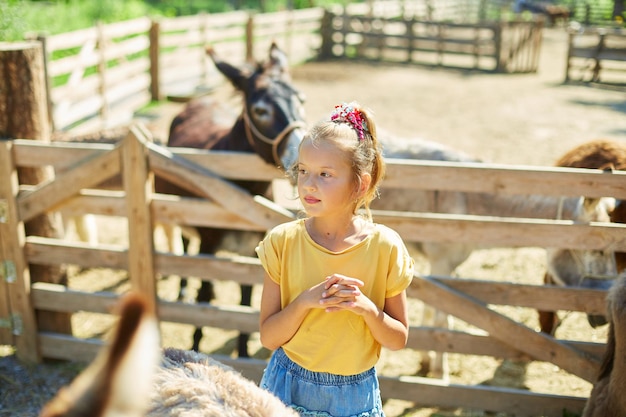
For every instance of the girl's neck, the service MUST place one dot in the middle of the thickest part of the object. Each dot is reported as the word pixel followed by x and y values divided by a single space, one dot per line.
pixel 337 235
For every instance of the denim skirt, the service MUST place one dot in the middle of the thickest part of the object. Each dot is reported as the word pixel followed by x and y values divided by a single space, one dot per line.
pixel 320 394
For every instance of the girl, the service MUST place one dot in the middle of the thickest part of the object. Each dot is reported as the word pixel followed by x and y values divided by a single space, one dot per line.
pixel 334 290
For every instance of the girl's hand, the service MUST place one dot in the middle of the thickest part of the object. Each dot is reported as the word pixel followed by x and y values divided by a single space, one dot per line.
pixel 343 293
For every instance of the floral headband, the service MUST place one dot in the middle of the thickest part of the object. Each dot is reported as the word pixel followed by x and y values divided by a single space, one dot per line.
pixel 348 113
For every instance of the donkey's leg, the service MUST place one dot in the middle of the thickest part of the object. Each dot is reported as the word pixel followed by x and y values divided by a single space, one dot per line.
pixel 444 259
pixel 246 300
pixel 87 229
pixel 548 320
pixel 206 293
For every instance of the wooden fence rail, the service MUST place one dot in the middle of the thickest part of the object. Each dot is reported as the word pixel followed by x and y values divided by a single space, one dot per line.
pixel 76 192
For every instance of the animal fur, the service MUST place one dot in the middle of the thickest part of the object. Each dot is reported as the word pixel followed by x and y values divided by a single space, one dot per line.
pixel 126 380
pixel 596 154
pixel 607 396
pixel 190 384
pixel 605 155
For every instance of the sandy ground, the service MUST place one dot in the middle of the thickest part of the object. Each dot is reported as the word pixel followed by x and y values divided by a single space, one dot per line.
pixel 505 118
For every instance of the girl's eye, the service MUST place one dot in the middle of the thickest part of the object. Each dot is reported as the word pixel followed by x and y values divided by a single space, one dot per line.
pixel 325 174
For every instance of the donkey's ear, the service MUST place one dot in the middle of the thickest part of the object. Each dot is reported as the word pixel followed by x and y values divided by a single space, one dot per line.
pixel 119 380
pixel 278 60
pixel 238 77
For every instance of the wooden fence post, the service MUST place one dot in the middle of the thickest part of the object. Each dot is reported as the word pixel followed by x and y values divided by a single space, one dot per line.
pixel 138 186
pixel 18 326
pixel 250 39
pixel 497 36
pixel 102 72
pixel 155 82
pixel 326 31
pixel 24 114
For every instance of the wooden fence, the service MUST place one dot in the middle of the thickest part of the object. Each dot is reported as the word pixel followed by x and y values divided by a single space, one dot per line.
pixel 488 45
pixel 222 204
pixel 597 55
pixel 99 77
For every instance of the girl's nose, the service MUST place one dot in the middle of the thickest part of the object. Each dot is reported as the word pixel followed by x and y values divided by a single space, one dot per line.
pixel 308 182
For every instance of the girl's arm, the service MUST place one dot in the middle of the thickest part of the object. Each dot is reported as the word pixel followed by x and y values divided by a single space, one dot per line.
pixel 390 327
pixel 277 326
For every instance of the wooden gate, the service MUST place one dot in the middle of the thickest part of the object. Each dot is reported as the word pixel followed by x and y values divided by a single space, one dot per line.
pixel 223 204
pixel 493 46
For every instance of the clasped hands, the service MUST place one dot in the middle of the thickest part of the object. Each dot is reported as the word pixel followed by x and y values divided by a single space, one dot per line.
pixel 340 292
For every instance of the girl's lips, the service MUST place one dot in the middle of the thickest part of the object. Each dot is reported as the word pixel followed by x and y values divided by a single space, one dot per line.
pixel 311 200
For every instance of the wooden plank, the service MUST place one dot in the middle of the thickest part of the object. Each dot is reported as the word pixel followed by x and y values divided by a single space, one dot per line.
pixel 138 185
pixel 121 50
pixel 70 40
pixel 610 235
pixel 46 251
pixel 198 212
pixel 504 179
pixel 443 340
pixel 129 69
pixel 8 189
pixel 88 57
pixel 69 92
pixel 537 345
pixel 545 297
pixel 204 182
pixel 242 318
pixel 166 209
pixel 430 392
pixel 15 272
pixel 240 269
pixel 90 171
pixel 504 231
pixel 53 297
pixel 68 348
pixel 127 27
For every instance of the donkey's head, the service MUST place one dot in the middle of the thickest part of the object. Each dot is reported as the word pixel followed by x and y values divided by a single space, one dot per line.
pixel 273 113
pixel 594 269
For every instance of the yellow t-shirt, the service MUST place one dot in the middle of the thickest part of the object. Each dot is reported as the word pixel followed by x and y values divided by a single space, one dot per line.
pixel 335 342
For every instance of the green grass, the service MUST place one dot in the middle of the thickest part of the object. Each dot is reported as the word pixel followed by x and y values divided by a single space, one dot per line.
pixel 18 17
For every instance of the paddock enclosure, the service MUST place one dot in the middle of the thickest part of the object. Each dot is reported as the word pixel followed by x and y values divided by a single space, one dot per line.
pixel 138 257
pixel 99 76
pixel 222 204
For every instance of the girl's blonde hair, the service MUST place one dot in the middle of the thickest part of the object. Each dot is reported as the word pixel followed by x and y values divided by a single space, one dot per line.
pixel 352 129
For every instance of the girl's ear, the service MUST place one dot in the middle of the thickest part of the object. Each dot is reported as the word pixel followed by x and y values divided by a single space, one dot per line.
pixel 364 184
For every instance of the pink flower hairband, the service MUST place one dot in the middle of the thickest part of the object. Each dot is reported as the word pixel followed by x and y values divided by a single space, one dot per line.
pixel 348 113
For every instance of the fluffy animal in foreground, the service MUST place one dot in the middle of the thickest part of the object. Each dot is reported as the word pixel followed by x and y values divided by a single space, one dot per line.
pixel 126 379
pixel 607 396
pixel 190 384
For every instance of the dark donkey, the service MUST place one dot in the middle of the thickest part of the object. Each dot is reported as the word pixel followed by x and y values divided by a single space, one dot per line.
pixel 271 125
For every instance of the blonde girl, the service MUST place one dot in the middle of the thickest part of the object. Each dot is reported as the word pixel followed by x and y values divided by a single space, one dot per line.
pixel 334 291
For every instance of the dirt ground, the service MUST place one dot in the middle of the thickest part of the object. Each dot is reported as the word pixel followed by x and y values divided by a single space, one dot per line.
pixel 514 119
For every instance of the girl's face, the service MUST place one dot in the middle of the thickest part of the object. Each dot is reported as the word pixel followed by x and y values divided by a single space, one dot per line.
pixel 326 184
